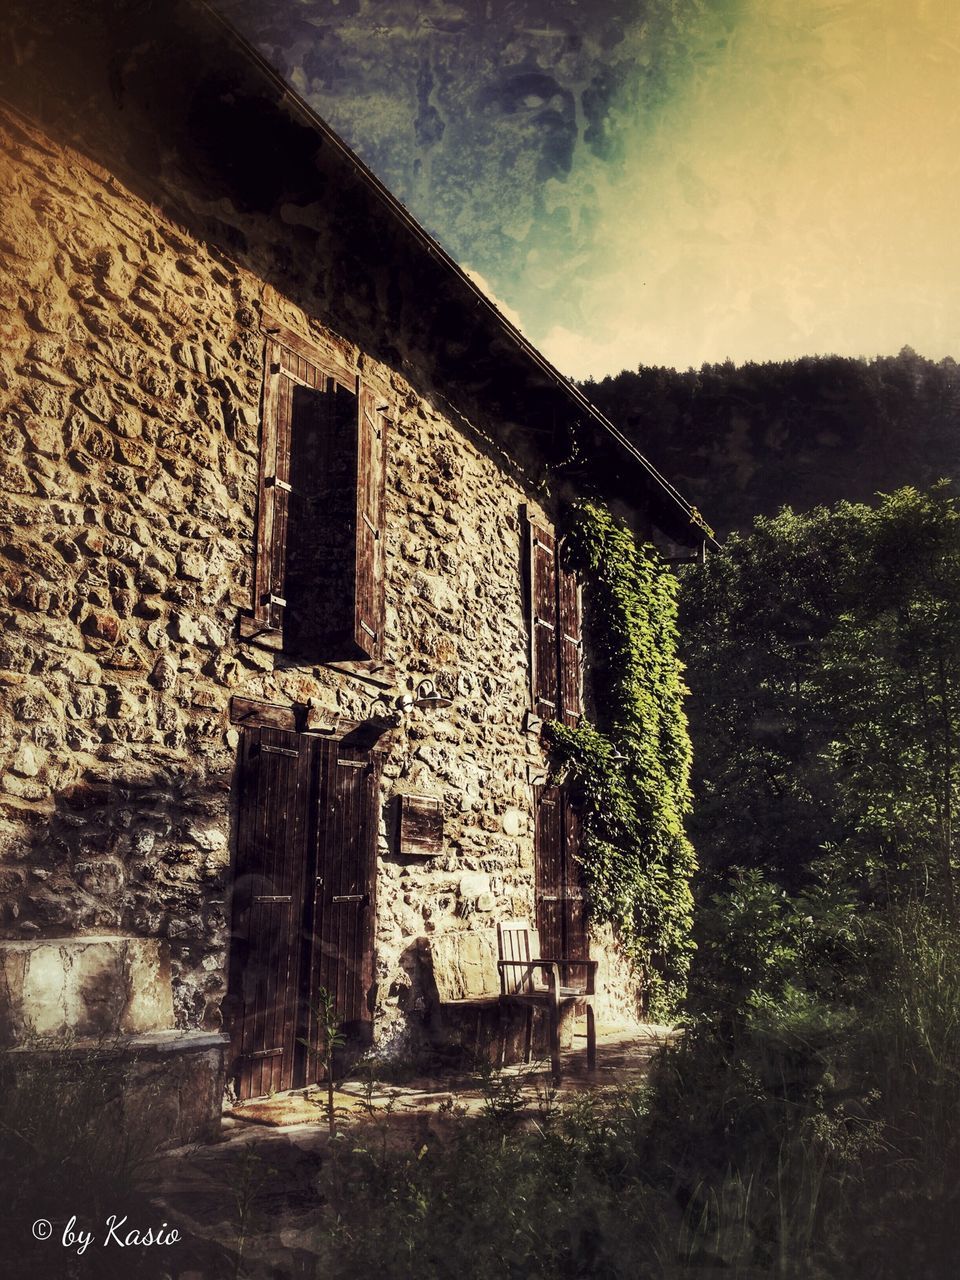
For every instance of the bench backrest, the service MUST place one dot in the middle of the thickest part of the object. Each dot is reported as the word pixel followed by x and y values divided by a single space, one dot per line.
pixel 519 943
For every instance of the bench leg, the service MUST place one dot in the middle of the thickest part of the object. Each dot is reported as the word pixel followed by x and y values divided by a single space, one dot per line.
pixel 528 1032
pixel 555 1040
pixel 591 1039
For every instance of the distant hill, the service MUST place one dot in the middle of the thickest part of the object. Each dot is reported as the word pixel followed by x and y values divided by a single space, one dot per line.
pixel 744 441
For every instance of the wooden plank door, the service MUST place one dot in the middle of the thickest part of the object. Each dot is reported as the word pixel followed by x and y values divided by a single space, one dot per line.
pixel 303 902
pixel 277 799
pixel 343 902
pixel 561 908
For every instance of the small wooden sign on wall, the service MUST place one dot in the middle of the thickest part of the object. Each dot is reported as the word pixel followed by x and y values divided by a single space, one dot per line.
pixel 419 826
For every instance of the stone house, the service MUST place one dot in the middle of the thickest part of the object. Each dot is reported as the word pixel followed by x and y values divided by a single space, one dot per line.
pixel 282 604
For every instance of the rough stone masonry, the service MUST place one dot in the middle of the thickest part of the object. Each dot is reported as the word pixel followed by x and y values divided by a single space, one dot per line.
pixel 131 370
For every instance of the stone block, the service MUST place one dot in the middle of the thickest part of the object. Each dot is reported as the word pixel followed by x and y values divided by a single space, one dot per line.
pixel 464 964
pixel 99 985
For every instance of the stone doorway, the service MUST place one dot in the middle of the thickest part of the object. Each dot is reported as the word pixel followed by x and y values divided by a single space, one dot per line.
pixel 303 903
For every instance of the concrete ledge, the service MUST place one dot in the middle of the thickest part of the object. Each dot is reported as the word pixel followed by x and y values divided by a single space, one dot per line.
pixel 160 1042
pixel 163 1089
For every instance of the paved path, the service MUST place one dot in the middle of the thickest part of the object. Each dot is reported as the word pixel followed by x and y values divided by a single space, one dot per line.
pixel 264 1168
pixel 623 1059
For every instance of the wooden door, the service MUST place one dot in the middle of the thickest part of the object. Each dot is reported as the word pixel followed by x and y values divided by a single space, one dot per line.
pixel 303 902
pixel 341 913
pixel 561 908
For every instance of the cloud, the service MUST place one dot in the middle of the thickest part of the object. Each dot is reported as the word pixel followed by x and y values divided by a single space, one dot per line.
pixel 796 195
pixel 484 286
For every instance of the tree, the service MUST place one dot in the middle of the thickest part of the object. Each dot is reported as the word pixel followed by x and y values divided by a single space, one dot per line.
pixel 823 654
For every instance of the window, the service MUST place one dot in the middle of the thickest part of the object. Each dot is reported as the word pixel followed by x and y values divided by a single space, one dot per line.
pixel 556 648
pixel 318 573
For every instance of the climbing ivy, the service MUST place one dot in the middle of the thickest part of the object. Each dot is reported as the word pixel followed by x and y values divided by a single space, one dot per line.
pixel 632 771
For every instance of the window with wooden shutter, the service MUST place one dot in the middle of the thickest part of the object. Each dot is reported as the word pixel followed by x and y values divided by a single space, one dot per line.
pixel 556 648
pixel 318 575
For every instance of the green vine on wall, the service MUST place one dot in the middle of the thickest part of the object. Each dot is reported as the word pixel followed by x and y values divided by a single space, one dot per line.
pixel 637 860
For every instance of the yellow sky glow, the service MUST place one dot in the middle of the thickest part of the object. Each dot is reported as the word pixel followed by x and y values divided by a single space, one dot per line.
pixel 799 195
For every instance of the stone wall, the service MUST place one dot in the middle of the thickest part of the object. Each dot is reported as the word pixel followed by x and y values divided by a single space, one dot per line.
pixel 131 367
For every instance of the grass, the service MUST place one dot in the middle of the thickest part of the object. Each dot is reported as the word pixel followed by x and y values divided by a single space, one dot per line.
pixel 810 1139
pixel 809 1134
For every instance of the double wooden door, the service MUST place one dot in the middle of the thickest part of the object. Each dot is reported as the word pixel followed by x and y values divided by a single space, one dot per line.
pixel 561 906
pixel 303 902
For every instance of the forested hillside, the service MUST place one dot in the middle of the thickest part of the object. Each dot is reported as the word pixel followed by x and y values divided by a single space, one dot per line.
pixel 745 441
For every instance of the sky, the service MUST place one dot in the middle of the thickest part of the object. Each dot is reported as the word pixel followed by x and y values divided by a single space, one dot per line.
pixel 671 182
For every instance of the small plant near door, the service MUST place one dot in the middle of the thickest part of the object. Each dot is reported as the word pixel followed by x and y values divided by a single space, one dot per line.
pixel 331 1038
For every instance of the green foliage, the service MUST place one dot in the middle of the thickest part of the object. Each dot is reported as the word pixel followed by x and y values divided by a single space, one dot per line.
pixel 808 1114
pixel 824 654
pixel 633 772
pixel 68 1149
pixel 331 1039
pixel 800 1140
pixel 742 441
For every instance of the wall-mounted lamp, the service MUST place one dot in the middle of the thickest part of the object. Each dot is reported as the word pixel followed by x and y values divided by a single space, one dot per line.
pixel 616 756
pixel 427 696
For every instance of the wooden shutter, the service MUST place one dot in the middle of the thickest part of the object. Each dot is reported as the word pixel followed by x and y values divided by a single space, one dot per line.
pixel 343 906
pixel 542 601
pixel 419 826
pixel 548 846
pixel 371 476
pixel 273 498
pixel 319 572
pixel 276 805
pixel 570 647
pixel 576 938
pixel 561 906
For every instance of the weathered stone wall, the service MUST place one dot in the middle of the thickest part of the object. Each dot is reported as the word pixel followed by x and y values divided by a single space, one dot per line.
pixel 131 366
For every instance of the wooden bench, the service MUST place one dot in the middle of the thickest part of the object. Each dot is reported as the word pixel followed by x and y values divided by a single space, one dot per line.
pixel 535 981
pixel 485 974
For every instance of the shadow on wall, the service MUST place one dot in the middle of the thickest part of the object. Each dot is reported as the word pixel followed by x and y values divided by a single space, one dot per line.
pixel 142 857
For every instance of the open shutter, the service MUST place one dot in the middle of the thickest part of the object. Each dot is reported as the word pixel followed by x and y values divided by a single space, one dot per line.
pixel 548 846
pixel 371 476
pixel 561 905
pixel 542 598
pixel 319 572
pixel 273 499
pixel 576 939
pixel 570 647
pixel 343 911
pixel 276 804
